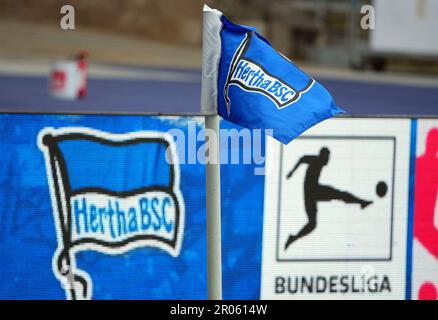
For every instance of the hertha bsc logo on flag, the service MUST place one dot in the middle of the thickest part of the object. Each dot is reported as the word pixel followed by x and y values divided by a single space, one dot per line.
pixel 250 75
pixel 110 193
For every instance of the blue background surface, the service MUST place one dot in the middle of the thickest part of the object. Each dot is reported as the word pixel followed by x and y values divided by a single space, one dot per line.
pixel 242 199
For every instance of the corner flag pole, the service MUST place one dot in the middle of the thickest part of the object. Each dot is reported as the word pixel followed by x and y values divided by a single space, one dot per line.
pixel 213 195
pixel 210 59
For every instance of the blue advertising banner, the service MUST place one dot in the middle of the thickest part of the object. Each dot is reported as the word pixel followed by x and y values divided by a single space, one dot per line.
pixel 92 208
pixel 113 207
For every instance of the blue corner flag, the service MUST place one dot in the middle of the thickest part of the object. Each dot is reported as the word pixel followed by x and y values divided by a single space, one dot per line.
pixel 253 85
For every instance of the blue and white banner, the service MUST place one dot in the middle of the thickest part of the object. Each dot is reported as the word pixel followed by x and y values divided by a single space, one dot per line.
pixel 100 207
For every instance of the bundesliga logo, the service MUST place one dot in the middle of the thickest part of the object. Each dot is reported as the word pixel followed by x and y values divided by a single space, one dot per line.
pixel 251 76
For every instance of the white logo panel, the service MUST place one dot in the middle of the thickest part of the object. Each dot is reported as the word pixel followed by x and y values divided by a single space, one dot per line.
pixel 336 212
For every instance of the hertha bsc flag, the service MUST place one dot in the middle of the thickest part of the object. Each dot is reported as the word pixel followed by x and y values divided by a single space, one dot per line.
pixel 253 85
pixel 111 193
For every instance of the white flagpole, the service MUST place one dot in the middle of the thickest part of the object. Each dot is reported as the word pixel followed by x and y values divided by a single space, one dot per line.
pixel 213 205
pixel 210 60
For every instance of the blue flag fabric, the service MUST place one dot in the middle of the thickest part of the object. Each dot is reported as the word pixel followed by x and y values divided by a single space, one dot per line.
pixel 87 166
pixel 258 87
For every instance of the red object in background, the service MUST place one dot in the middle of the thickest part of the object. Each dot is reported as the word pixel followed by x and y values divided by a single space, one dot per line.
pixel 82 67
pixel 427 291
pixel 58 80
pixel 426 187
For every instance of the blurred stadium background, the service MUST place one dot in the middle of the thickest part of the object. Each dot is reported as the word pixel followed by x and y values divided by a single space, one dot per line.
pixel 323 32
